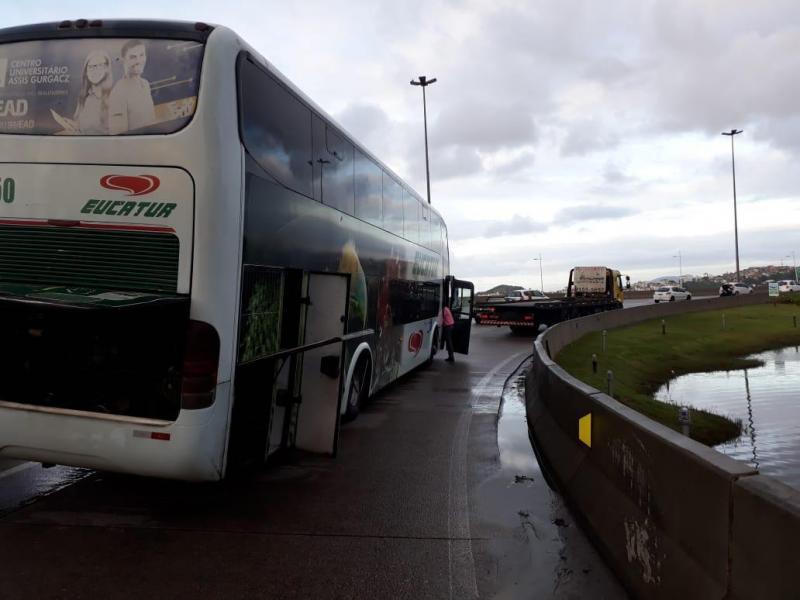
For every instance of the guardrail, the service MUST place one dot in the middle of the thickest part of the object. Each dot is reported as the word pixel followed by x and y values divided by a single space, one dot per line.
pixel 672 517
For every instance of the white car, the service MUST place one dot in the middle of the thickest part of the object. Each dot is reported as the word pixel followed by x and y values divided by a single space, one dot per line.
pixel 671 293
pixel 735 289
pixel 521 295
pixel 788 285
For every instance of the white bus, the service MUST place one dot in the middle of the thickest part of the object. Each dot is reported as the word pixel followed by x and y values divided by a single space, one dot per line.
pixel 194 258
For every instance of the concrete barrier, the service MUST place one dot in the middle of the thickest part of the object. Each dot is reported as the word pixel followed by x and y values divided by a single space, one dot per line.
pixel 672 516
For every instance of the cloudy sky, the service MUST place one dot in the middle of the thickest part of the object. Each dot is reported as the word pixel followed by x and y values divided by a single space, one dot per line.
pixel 587 132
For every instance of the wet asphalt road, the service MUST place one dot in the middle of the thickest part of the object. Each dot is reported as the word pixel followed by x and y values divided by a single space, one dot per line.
pixel 435 494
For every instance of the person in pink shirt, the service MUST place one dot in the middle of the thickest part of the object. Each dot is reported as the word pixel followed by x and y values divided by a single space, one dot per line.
pixel 447 332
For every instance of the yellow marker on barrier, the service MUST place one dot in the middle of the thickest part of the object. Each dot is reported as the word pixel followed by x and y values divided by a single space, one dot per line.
pixel 585 429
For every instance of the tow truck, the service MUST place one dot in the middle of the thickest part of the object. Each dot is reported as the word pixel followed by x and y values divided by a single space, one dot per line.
pixel 590 290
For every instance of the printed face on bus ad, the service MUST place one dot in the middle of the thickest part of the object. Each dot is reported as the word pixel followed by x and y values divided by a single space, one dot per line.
pixel 98 86
pixel 134 57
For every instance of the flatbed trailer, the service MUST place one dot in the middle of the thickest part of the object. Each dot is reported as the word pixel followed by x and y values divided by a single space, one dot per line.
pixel 602 293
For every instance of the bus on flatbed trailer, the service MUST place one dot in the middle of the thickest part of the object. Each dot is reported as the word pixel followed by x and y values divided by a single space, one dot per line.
pixel 196 262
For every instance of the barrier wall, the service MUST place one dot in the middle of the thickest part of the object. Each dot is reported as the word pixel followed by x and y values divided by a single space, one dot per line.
pixel 674 518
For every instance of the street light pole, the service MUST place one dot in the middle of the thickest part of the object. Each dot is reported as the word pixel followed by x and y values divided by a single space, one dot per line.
pixel 680 267
pixel 425 82
pixel 541 277
pixel 732 133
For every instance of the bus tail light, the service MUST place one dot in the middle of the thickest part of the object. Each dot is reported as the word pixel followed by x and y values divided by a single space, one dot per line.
pixel 200 360
pixel 528 317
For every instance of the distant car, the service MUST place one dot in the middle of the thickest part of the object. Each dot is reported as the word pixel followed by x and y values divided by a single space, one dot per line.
pixel 788 285
pixel 734 289
pixel 520 295
pixel 671 293
pixel 483 300
pixel 726 289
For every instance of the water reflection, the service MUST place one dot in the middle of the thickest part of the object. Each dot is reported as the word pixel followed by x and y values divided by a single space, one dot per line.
pixel 750 423
pixel 764 398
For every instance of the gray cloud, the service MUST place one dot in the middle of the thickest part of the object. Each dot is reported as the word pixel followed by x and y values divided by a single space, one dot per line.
pixel 587 136
pixel 485 126
pixel 516 225
pixel 591 212
pixel 523 162
pixel 463 229
pixel 614 176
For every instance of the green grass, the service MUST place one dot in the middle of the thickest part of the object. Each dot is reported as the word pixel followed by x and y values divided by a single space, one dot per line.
pixel 643 359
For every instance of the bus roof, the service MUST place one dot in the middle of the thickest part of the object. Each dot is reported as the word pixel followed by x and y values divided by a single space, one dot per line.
pixel 107 28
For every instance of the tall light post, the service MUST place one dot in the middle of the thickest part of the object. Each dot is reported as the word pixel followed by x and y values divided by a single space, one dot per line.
pixel 794 264
pixel 541 277
pixel 732 133
pixel 425 82
pixel 680 266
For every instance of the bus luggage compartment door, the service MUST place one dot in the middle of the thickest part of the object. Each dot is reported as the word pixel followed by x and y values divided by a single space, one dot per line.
pixel 461 296
pixel 321 382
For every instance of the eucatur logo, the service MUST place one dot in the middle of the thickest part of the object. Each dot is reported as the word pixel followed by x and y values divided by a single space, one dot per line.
pixel 135 185
pixel 415 342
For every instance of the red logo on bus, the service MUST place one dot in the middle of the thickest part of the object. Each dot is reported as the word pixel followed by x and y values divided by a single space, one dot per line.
pixel 135 185
pixel 415 342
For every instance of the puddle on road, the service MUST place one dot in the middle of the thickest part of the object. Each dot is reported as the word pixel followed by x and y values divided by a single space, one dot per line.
pixel 32 482
pixel 537 549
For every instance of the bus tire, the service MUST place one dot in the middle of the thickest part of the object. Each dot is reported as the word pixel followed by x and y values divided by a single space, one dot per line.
pixel 358 389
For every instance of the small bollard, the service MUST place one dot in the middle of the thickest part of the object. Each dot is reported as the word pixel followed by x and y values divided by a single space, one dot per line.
pixel 594 363
pixel 605 336
pixel 610 382
pixel 663 327
pixel 685 419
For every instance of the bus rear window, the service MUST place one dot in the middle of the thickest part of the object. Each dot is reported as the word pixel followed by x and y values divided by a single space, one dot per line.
pixel 98 86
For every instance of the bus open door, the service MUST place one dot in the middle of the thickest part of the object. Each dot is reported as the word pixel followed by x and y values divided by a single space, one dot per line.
pixel 460 295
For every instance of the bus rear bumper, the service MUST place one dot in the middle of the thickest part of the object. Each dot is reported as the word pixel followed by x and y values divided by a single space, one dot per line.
pixel 190 448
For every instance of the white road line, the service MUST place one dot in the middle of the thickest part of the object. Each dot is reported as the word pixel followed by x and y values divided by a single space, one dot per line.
pixel 461 563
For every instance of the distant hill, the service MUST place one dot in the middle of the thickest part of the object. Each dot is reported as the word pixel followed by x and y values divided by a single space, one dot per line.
pixel 501 290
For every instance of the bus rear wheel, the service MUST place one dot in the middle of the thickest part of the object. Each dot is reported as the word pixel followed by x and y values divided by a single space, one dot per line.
pixel 358 389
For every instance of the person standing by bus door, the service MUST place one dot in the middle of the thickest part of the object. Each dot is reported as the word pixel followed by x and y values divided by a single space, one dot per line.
pixel 447 331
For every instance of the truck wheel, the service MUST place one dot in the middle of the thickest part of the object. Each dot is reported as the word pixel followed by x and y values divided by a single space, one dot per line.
pixel 656 301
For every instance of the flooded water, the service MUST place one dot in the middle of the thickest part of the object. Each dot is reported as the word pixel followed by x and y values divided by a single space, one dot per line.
pixel 537 548
pixel 766 399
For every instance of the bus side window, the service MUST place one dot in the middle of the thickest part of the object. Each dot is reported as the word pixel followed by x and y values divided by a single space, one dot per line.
pixel 368 190
pixel 411 210
pixel 338 173
pixel 276 128
pixel 392 205
pixel 425 225
pixel 436 233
